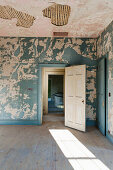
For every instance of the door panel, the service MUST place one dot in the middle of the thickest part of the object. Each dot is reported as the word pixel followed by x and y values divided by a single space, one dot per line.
pixel 75 80
pixel 70 83
pixel 70 107
pixel 101 96
pixel 79 90
pixel 79 108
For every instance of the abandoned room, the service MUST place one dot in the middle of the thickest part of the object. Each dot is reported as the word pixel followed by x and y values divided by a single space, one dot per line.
pixel 56 85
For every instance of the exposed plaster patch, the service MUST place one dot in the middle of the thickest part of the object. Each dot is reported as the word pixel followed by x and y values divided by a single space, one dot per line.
pixel 110 55
pixel 91 73
pixel 90 112
pixel 14 112
pixel 28 113
pixel 26 75
pixel 59 44
pixel 92 96
pixel 7 69
pixel 26 96
pixel 59 56
pixel 23 19
pixel 49 52
pixel 90 86
pixel 48 58
pixel 58 13
pixel 77 41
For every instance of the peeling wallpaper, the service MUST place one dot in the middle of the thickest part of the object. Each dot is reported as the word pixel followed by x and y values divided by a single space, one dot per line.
pixel 105 48
pixel 19 66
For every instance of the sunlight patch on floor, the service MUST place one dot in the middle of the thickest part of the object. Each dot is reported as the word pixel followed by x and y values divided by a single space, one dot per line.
pixel 77 154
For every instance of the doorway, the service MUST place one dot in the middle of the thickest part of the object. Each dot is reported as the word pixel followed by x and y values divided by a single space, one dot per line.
pixel 53 90
pixel 73 89
pixel 55 94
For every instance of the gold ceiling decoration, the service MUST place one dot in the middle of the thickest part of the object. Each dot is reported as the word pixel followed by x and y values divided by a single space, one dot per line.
pixel 23 19
pixel 58 13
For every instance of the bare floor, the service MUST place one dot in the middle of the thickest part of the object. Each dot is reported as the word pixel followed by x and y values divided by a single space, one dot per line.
pixel 53 146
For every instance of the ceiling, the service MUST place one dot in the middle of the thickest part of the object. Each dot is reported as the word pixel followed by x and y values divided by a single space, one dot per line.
pixel 88 18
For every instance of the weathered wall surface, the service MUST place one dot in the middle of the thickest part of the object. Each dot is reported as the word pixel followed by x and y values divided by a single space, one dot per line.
pixel 19 61
pixel 105 49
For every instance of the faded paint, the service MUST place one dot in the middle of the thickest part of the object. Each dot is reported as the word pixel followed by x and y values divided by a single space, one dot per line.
pixel 19 59
pixel 105 49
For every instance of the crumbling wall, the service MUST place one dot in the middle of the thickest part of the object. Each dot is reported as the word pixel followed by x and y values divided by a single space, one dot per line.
pixel 19 61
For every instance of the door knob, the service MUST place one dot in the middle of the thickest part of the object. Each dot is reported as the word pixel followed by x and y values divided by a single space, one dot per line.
pixel 82 101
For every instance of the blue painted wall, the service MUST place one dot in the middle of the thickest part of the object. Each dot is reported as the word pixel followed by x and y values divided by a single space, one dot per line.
pixel 105 49
pixel 19 73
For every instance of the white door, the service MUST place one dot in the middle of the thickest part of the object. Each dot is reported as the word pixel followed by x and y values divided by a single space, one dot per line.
pixel 75 97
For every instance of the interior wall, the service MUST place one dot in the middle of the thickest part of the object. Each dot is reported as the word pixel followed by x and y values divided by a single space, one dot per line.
pixel 105 49
pixel 19 69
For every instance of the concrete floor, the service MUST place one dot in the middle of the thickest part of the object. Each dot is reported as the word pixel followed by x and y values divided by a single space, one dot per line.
pixel 53 146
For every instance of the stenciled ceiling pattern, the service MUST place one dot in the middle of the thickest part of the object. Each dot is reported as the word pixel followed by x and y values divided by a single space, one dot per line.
pixel 87 18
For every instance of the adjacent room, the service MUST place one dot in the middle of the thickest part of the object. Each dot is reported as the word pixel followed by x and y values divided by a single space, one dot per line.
pixel 55 94
pixel 56 85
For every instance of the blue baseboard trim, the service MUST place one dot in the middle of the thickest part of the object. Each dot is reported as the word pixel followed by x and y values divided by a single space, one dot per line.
pixel 109 137
pixel 19 122
pixel 35 122
pixel 90 122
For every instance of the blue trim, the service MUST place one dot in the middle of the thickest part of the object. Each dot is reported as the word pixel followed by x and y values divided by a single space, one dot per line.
pixel 107 79
pixel 101 86
pixel 35 122
pixel 52 65
pixel 109 137
pixel 39 96
pixel 106 84
pixel 19 122
pixel 91 123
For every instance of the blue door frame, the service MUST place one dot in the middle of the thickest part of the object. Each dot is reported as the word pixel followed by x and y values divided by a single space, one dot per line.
pixel 107 134
pixel 101 96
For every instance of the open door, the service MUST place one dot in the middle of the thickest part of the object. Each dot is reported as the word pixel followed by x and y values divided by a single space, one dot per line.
pixel 75 97
pixel 101 96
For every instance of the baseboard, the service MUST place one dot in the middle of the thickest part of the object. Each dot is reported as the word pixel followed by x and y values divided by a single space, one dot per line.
pixel 90 122
pixel 36 122
pixel 109 137
pixel 19 122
